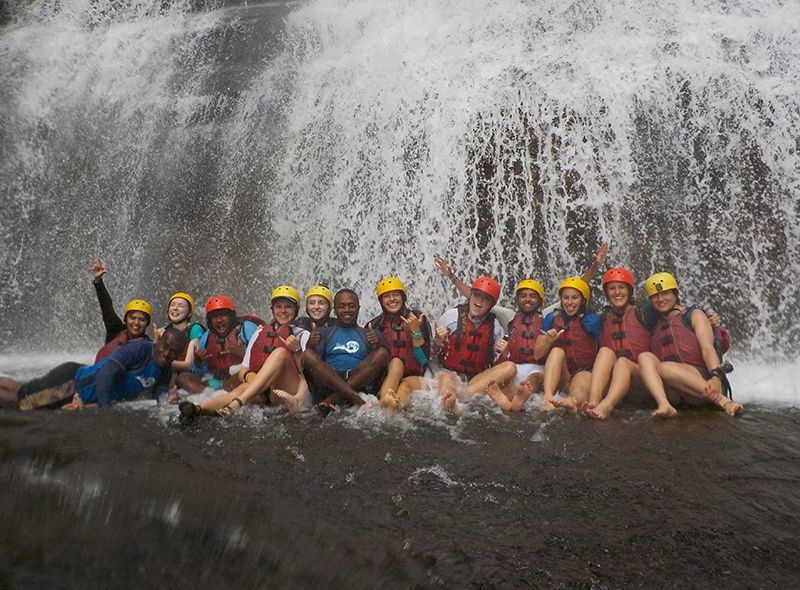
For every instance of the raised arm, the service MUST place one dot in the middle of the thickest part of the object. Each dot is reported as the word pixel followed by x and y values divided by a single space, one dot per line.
pixel 447 271
pixel 597 261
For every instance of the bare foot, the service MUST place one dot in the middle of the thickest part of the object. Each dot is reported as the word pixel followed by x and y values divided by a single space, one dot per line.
pixel 390 401
pixel 498 395
pixel 548 406
pixel 732 408
pixel 450 404
pixel 567 402
pixel 598 412
pixel 286 398
pixel 520 398
pixel 664 412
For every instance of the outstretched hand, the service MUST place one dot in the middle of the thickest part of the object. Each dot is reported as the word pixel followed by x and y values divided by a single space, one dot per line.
pixel 443 266
pixel 554 334
pixel 413 322
pixel 98 270
pixel 600 254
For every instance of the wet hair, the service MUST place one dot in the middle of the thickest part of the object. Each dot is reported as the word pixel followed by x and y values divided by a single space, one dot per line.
pixel 175 339
pixel 344 292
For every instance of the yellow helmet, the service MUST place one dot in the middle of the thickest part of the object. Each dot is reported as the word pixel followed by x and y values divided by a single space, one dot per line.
pixel 286 291
pixel 531 284
pixel 182 295
pixel 321 291
pixel 578 284
pixel 139 305
pixel 390 284
pixel 661 281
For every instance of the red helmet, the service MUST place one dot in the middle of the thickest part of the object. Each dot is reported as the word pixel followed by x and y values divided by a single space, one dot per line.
pixel 218 302
pixel 489 286
pixel 623 275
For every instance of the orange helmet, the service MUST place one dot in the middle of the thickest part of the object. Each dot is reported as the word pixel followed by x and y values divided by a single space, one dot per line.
pixel 487 285
pixel 623 275
pixel 220 302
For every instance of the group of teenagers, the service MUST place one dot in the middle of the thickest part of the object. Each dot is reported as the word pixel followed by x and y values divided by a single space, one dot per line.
pixel 655 348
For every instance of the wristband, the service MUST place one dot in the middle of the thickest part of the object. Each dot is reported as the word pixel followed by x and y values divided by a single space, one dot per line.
pixel 416 335
pixel 247 374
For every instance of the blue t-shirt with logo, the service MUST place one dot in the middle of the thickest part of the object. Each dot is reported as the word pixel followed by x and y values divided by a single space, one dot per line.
pixel 125 373
pixel 344 348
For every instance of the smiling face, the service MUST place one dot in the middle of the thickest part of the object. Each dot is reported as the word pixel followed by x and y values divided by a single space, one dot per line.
pixel 346 307
pixel 166 351
pixel 665 301
pixel 317 307
pixel 392 302
pixel 480 304
pixel 571 301
pixel 528 301
pixel 178 310
pixel 618 294
pixel 136 323
pixel 284 310
pixel 220 321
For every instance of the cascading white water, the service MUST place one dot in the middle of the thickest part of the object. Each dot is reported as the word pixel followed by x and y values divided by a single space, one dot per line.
pixel 509 136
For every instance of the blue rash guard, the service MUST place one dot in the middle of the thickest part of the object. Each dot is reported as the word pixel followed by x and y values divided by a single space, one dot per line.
pixel 125 373
pixel 344 348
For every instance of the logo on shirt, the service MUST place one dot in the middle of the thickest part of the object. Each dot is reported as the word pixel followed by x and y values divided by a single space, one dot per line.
pixel 146 382
pixel 350 347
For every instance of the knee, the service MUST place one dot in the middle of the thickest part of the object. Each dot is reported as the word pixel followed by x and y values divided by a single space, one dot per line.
pixel 380 356
pixel 508 370
pixel 309 357
pixel 396 364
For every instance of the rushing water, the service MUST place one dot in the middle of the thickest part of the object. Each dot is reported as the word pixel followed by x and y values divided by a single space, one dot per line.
pixel 228 149
pixel 225 146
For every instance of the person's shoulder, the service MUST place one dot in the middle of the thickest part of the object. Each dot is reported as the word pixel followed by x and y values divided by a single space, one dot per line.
pixel 136 350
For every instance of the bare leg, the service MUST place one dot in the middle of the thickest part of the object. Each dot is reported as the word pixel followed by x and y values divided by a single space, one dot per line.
pixel 601 375
pixel 555 377
pixel 624 370
pixel 190 382
pixel 578 391
pixel 8 392
pixel 688 380
pixel 294 403
pixel 278 370
pixel 324 377
pixel 400 399
pixel 394 374
pixel 370 369
pixel 648 373
pixel 500 397
pixel 499 374
pixel 447 384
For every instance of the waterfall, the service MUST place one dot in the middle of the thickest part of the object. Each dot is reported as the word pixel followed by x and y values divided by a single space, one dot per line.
pixel 231 147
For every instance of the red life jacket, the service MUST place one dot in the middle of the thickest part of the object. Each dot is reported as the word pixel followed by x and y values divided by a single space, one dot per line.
pixel 580 347
pixel 470 349
pixel 219 363
pixel 268 339
pixel 398 339
pixel 674 341
pixel 117 341
pixel 624 333
pixel 522 333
